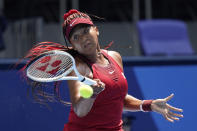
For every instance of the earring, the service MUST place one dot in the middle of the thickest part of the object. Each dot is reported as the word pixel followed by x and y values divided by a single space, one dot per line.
pixel 99 53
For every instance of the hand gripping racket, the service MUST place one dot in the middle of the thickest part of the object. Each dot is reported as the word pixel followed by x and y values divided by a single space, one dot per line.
pixel 55 66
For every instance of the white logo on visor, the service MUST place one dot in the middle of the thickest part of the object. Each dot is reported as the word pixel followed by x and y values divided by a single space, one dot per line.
pixel 73 22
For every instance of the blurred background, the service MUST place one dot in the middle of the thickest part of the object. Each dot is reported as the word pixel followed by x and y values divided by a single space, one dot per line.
pixel 29 22
pixel 157 39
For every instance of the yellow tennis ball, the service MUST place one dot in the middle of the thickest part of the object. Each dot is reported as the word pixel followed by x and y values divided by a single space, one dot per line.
pixel 86 91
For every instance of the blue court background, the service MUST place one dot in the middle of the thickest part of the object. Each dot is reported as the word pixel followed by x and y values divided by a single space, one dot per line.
pixel 159 82
pixel 19 113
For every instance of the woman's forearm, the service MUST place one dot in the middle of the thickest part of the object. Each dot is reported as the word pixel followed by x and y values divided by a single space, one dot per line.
pixel 83 106
pixel 131 103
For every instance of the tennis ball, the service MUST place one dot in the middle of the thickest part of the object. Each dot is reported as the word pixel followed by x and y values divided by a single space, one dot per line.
pixel 86 91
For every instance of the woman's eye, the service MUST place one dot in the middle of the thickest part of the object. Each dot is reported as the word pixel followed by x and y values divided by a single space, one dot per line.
pixel 86 30
pixel 75 37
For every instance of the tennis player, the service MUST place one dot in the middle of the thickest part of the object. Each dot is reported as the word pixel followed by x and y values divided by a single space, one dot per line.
pixel 102 111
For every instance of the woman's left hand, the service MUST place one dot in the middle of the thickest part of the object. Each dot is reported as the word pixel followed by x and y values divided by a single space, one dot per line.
pixel 161 106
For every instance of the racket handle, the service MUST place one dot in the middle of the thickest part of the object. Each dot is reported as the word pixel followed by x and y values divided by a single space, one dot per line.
pixel 88 81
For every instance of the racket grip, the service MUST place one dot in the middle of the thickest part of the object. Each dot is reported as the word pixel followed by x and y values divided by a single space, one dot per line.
pixel 88 81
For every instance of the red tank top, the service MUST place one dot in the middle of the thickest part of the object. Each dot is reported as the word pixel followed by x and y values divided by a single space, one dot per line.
pixel 106 112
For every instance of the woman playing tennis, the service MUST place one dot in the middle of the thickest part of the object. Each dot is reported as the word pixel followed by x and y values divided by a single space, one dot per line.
pixel 102 111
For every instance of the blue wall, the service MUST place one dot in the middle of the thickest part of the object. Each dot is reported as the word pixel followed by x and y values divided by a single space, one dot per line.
pixel 17 112
pixel 158 82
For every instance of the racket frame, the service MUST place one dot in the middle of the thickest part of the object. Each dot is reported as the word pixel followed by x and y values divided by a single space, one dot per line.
pixel 63 76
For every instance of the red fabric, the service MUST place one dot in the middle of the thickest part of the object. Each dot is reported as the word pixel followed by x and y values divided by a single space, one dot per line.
pixel 75 22
pixel 72 11
pixel 106 112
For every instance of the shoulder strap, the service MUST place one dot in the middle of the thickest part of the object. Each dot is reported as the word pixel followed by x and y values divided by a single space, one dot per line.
pixel 111 59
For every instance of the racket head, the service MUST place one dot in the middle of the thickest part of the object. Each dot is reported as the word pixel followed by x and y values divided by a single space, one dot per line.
pixel 50 66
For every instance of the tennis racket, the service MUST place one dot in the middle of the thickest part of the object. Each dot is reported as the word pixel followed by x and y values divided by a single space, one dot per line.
pixel 55 66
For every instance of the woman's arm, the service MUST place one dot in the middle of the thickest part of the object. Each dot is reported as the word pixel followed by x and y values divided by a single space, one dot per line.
pixel 82 105
pixel 131 103
pixel 159 105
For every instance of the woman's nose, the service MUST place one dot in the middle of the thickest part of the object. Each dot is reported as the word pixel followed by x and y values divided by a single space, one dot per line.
pixel 83 37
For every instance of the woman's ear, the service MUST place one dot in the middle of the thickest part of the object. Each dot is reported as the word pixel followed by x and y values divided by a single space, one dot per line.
pixel 97 31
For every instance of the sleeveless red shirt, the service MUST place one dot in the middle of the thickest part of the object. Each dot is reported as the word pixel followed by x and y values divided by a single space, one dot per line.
pixel 106 112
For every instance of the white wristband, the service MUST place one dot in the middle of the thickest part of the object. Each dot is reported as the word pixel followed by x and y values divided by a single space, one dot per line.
pixel 141 109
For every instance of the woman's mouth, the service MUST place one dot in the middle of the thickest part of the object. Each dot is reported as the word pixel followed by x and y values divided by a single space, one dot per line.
pixel 86 45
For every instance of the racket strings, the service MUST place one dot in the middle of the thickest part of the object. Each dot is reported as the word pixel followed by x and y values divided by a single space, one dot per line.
pixel 51 66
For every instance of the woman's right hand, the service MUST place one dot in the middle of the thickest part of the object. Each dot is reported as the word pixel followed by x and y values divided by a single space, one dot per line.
pixel 98 87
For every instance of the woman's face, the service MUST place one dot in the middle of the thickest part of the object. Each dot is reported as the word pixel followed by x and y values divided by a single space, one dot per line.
pixel 84 39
